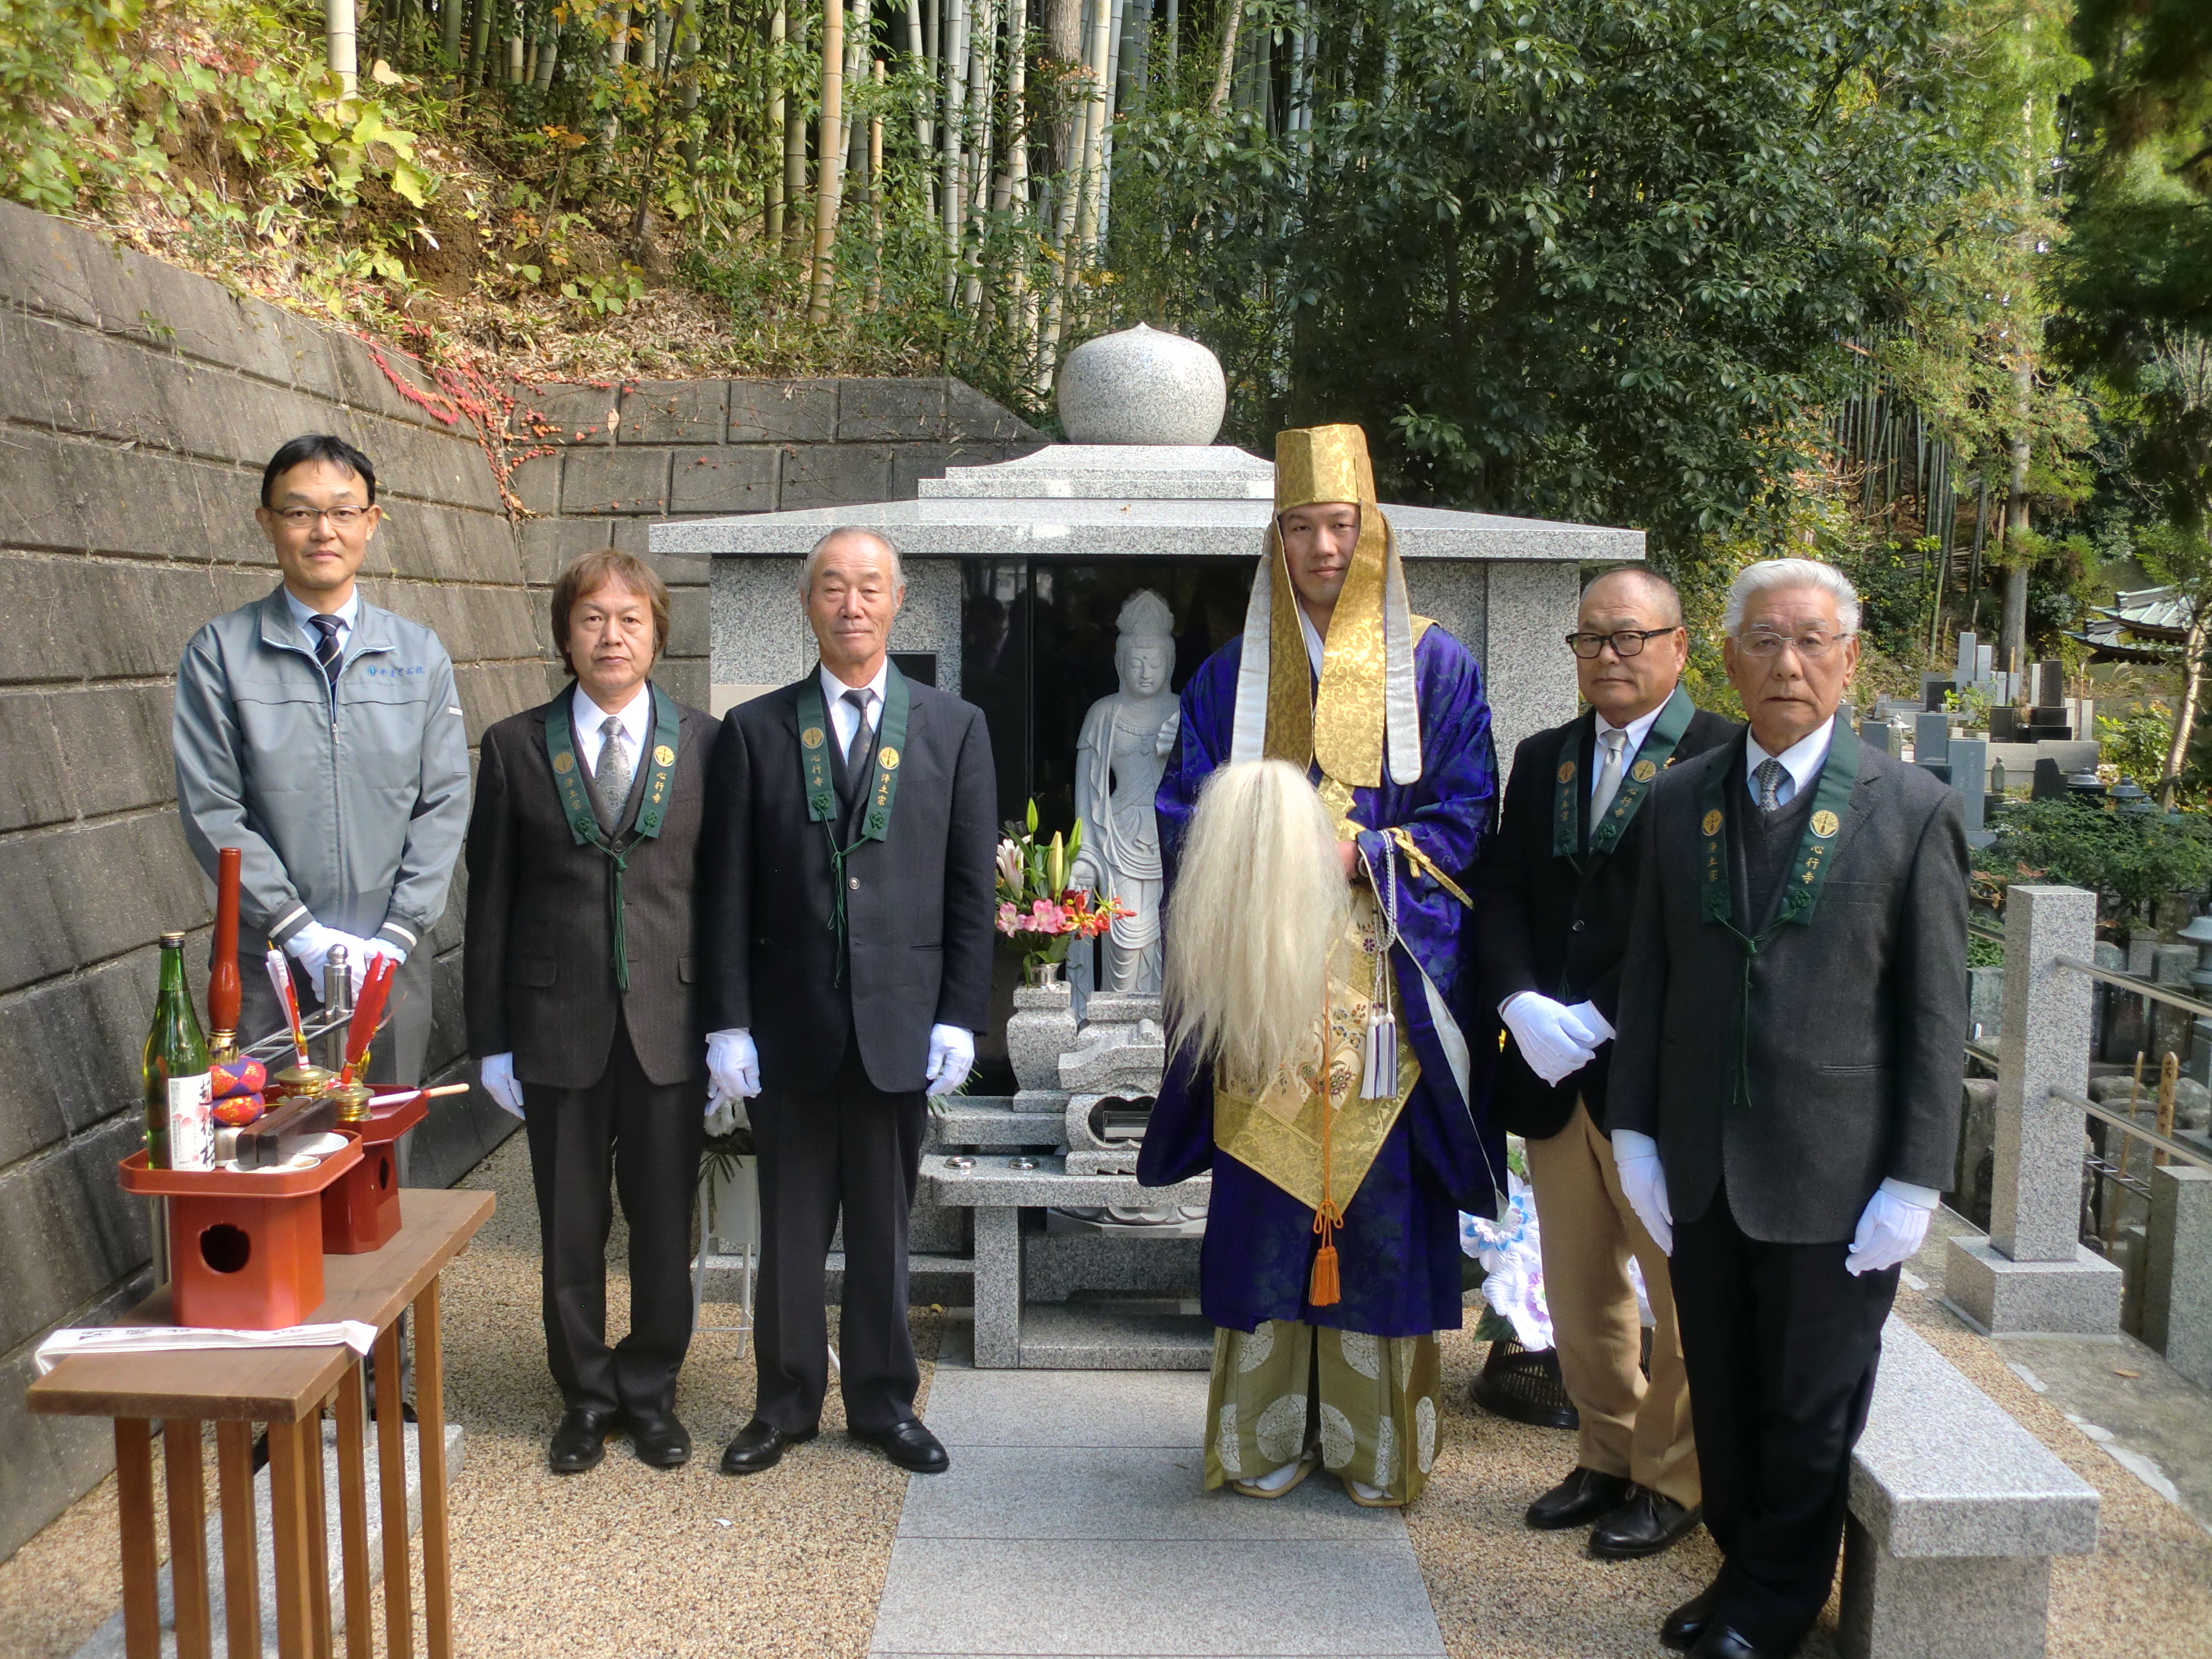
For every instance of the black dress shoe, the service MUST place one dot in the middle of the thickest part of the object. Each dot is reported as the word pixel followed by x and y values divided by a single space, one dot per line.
pixel 1719 1642
pixel 1577 1500
pixel 1646 1524
pixel 759 1446
pixel 581 1440
pixel 658 1438
pixel 1687 1622
pixel 909 1445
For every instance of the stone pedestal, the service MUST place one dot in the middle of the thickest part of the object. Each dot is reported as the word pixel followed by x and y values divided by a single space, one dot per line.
pixel 1895 1608
pixel 2178 1286
pixel 1041 1029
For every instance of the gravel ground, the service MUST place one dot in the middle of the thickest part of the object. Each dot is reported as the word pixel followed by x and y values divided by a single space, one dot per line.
pixel 631 1560
pixel 624 1559
pixel 1502 1591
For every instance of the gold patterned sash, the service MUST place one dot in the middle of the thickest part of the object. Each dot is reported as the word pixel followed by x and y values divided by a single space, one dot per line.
pixel 1277 1130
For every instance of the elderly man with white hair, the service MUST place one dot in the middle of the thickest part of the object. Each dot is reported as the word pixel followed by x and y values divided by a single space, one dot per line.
pixel 845 878
pixel 1785 1086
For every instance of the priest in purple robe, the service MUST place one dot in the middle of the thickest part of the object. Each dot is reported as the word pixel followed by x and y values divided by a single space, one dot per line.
pixel 1316 1067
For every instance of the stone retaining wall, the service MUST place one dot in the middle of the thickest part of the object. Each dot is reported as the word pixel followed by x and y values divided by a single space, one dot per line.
pixel 137 405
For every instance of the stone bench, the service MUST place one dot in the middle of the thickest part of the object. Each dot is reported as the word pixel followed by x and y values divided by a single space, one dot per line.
pixel 997 1193
pixel 1955 1513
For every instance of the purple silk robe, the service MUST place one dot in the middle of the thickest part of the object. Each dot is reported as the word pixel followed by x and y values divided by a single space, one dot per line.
pixel 1398 1250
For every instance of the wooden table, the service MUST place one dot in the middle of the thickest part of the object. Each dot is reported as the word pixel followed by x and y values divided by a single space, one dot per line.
pixel 288 1389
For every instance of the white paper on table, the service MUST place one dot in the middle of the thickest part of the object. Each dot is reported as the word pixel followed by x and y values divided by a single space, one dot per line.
pixel 353 1334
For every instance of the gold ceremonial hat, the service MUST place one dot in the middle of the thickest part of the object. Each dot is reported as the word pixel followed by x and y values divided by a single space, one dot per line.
pixel 1316 464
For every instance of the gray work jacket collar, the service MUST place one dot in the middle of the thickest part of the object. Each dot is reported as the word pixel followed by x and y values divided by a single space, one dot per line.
pixel 281 633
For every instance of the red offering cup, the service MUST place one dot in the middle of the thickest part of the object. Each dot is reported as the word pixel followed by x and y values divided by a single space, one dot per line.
pixel 246 1247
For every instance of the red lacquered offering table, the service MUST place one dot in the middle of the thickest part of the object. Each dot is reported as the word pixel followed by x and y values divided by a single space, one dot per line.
pixel 288 1389
pixel 361 1209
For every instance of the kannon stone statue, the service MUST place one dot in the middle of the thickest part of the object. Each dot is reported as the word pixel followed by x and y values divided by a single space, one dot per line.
pixel 1118 760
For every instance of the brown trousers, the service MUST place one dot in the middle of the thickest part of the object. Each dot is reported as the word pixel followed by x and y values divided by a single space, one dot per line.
pixel 1629 1426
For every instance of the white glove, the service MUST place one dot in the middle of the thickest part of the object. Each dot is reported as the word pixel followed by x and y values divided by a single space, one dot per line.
pixel 311 947
pixel 726 1114
pixel 1593 1022
pixel 1644 1183
pixel 733 1065
pixel 951 1055
pixel 1553 1037
pixel 498 1074
pixel 1891 1228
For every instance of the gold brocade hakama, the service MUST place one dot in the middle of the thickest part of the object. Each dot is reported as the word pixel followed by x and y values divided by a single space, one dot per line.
pixel 1367 1404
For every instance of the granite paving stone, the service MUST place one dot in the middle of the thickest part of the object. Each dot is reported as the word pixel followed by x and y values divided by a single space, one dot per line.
pixel 1147 1596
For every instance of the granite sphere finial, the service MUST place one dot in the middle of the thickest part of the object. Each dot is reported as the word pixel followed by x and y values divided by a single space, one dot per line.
pixel 1141 386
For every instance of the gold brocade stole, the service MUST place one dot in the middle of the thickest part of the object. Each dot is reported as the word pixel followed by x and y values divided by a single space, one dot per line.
pixel 1278 1131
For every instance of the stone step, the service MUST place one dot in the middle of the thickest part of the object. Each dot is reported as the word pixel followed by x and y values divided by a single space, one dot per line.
pixel 1086 1335
pixel 107 1642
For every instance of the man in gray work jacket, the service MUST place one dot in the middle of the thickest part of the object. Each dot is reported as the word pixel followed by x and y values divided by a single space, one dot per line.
pixel 323 737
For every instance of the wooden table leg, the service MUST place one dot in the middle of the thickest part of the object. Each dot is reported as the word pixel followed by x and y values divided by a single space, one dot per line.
pixel 241 1576
pixel 289 1524
pixel 392 1497
pixel 319 1535
pixel 188 1562
pixel 134 1491
pixel 353 1513
pixel 430 1418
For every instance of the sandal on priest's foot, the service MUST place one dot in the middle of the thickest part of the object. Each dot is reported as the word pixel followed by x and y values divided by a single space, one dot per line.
pixel 1367 1497
pixel 1282 1482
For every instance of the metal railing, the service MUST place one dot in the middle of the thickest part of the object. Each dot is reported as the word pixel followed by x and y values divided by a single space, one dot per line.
pixel 2180 1150
pixel 2129 982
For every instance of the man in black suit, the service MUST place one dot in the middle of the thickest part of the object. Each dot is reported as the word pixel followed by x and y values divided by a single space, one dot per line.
pixel 1786 1083
pixel 849 887
pixel 581 992
pixel 1557 883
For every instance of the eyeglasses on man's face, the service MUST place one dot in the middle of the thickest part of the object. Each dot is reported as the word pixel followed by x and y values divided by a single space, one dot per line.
pixel 1763 644
pixel 340 518
pixel 1628 642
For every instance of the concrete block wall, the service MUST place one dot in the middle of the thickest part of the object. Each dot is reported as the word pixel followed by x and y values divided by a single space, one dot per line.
pixel 137 405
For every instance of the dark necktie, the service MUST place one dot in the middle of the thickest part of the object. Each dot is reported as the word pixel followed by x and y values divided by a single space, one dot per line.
pixel 1770 775
pixel 856 752
pixel 327 651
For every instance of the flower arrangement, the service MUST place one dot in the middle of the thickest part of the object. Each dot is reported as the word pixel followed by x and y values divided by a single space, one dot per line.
pixel 1037 909
pixel 1511 1253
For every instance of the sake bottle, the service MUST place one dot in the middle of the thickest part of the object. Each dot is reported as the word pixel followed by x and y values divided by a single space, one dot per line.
pixel 180 1110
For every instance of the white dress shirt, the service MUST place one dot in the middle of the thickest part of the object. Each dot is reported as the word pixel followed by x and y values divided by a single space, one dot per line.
pixel 1800 761
pixel 347 615
pixel 1637 730
pixel 586 717
pixel 840 712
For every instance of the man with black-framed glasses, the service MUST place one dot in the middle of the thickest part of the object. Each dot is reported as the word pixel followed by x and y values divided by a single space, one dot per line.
pixel 322 736
pixel 1555 891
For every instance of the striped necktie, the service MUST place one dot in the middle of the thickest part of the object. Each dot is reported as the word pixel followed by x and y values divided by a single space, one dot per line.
pixel 327 650
pixel 1769 775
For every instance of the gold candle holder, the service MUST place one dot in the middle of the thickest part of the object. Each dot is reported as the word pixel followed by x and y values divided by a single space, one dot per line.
pixel 296 1079
pixel 353 1102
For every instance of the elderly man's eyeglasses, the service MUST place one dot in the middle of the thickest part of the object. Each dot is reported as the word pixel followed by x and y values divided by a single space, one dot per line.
pixel 1628 642
pixel 1813 642
pixel 340 518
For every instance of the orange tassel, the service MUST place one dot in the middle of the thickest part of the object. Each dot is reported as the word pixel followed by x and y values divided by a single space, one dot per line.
pixel 1325 1292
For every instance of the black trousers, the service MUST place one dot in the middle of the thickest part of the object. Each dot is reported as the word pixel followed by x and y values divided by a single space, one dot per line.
pixel 1781 1346
pixel 855 1149
pixel 642 1139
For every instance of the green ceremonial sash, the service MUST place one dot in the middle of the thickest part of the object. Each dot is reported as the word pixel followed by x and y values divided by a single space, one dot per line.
pixel 814 733
pixel 1808 869
pixel 584 824
pixel 1653 756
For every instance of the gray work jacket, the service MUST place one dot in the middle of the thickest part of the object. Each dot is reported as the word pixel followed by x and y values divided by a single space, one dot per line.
pixel 347 802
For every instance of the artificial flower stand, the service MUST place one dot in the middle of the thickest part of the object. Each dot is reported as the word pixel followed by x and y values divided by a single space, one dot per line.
pixel 361 1210
pixel 246 1247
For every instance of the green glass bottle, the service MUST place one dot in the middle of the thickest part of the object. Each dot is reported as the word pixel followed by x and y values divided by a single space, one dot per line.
pixel 180 1112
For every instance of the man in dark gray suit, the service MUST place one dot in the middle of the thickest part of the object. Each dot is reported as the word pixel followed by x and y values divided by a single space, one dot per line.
pixel 847 900
pixel 582 995
pixel 1785 1087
